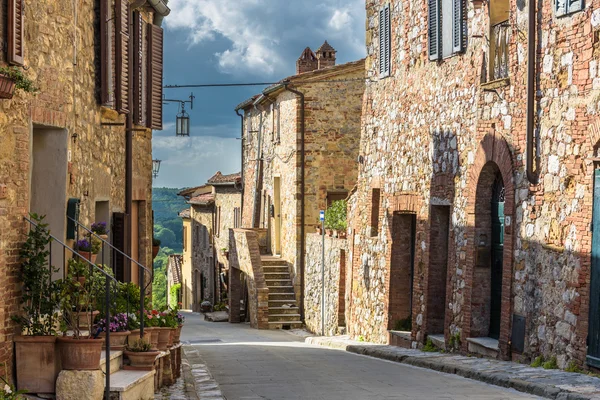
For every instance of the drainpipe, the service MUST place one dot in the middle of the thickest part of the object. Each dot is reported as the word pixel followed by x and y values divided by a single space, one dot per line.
pixel 258 162
pixel 302 190
pixel 160 10
pixel 532 176
pixel 242 158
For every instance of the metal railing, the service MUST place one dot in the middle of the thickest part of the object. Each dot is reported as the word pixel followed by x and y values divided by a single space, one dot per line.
pixel 107 281
pixel 141 269
pixel 499 45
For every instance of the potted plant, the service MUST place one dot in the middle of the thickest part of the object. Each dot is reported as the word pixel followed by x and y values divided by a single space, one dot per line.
pixel 155 247
pixel 99 228
pixel 336 220
pixel 88 248
pixel 225 252
pixel 118 328
pixel 165 326
pixel 11 79
pixel 180 322
pixel 80 351
pixel 140 355
pixel 35 351
pixel 152 321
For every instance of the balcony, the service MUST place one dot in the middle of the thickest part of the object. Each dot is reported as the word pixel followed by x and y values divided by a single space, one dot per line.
pixel 499 40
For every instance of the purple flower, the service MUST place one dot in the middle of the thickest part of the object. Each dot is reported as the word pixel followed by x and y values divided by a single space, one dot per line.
pixel 117 323
pixel 83 245
pixel 99 228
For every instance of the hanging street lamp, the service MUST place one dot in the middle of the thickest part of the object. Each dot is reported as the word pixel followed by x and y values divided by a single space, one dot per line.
pixel 155 168
pixel 182 122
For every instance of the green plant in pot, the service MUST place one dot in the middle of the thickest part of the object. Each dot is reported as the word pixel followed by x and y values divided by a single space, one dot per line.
pixel 155 247
pixel 79 351
pixel 13 78
pixel 336 218
pixel 37 365
pixel 141 355
pixel 89 248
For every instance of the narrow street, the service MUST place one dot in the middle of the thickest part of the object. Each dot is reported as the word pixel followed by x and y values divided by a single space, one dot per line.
pixel 261 364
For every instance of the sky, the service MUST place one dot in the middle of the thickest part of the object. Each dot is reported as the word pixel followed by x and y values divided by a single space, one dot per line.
pixel 235 41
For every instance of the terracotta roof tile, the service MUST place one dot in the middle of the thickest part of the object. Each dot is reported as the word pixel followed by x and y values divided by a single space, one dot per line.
pixel 219 178
pixel 203 199
pixel 185 213
pixel 175 261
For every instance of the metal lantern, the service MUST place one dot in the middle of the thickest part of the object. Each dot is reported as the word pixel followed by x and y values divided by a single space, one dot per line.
pixel 182 126
pixel 155 168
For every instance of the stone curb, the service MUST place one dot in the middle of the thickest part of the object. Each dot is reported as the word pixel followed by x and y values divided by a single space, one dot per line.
pixel 434 362
pixel 199 383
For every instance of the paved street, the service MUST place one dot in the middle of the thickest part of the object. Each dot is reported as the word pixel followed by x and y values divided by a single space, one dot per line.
pixel 252 364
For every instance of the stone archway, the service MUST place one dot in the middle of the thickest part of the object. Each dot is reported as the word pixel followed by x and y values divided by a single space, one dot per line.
pixel 488 270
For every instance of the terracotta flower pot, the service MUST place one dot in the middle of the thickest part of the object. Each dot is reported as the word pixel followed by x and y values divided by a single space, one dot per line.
pixel 84 321
pixel 88 255
pixel 341 234
pixel 37 362
pixel 135 335
pixel 329 232
pixel 79 354
pixel 155 250
pixel 154 333
pixel 117 340
pixel 319 230
pixel 177 335
pixel 7 87
pixel 103 237
pixel 164 337
pixel 142 360
pixel 172 337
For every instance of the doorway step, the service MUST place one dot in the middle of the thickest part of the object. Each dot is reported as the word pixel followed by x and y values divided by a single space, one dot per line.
pixel 438 340
pixel 400 339
pixel 483 346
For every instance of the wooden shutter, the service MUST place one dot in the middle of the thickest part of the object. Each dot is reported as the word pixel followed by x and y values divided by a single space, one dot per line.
pixel 457 26
pixel 15 32
pixel 434 29
pixel 104 64
pixel 138 68
pixel 155 76
pixel 384 41
pixel 122 53
pixel 119 231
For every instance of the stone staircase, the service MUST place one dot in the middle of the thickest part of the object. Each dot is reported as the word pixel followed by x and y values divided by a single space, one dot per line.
pixel 127 384
pixel 283 307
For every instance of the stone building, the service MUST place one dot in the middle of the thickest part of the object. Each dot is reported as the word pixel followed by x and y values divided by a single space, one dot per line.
pixel 174 273
pixel 300 146
pixel 214 209
pixel 472 215
pixel 73 141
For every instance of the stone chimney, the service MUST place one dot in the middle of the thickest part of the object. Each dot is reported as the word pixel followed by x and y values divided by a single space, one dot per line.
pixel 307 61
pixel 326 56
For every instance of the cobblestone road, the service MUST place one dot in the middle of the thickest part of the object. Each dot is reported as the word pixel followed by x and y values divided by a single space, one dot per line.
pixel 250 364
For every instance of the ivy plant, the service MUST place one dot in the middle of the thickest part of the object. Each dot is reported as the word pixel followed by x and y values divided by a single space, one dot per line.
pixel 39 299
pixel 335 216
pixel 21 81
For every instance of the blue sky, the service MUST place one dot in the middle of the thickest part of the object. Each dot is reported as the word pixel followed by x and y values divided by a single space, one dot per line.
pixel 230 41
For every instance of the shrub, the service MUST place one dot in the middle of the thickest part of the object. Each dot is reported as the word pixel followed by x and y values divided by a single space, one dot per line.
pixel 403 324
pixel 429 347
pixel 175 292
pixel 335 216
pixel 139 346
pixel 538 361
pixel 550 364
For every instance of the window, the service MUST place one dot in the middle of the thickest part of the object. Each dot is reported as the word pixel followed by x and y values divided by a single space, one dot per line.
pixel 375 203
pixel 384 41
pixel 278 124
pixel 564 7
pixel 15 32
pixel 499 39
pixel 446 36
pixel 184 238
pixel 331 197
pixel 218 222
pixel 237 218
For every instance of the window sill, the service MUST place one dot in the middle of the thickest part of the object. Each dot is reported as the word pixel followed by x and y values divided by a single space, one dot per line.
pixel 496 84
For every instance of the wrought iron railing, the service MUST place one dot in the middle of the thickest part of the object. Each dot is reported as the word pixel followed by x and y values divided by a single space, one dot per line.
pixel 107 281
pixel 141 269
pixel 499 46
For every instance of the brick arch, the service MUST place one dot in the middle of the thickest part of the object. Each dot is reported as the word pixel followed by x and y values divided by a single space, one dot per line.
pixel 494 152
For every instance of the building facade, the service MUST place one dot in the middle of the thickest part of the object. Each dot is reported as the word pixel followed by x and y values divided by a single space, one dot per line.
pixel 472 214
pixel 300 146
pixel 72 140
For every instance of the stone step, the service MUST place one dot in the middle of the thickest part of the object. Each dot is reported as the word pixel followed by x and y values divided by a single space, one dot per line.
pixel 132 385
pixel 283 310
pixel 281 303
pixel 273 261
pixel 116 361
pixel 275 268
pixel 438 340
pixel 278 282
pixel 281 290
pixel 277 275
pixel 285 325
pixel 484 346
pixel 289 296
pixel 284 317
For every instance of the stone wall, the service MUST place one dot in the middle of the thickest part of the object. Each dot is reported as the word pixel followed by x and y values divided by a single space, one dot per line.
pixel 336 251
pixel 203 254
pixel 66 103
pixel 429 134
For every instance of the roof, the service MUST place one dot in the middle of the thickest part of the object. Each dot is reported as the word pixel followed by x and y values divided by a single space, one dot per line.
pixel 220 179
pixel 203 199
pixel 304 77
pixel 175 261
pixel 325 47
pixel 185 213
pixel 191 191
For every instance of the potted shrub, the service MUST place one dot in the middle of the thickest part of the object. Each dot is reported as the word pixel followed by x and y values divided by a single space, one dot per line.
pixel 118 328
pixel 140 355
pixel 80 351
pixel 37 364
pixel 166 325
pixel 11 79
pixel 151 321
pixel 155 247
pixel 180 322
pixel 88 248
pixel 99 228
pixel 335 219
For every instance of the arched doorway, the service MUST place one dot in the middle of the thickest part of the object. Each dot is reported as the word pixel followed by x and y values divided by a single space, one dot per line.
pixel 486 299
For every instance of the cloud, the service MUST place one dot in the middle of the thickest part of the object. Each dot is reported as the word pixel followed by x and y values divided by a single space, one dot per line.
pixel 263 37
